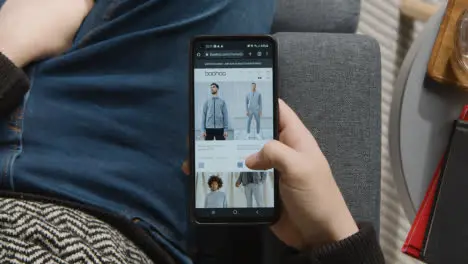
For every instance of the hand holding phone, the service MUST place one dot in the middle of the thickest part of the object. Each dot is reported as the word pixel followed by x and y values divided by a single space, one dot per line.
pixel 315 212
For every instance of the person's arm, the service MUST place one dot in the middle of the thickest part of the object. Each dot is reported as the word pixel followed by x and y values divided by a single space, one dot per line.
pixel 360 248
pixel 225 117
pixel 203 122
pixel 247 103
pixel 260 103
pixel 239 180
pixel 206 201
pixel 30 31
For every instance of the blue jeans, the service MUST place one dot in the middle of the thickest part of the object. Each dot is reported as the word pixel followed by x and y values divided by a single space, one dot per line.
pixel 106 123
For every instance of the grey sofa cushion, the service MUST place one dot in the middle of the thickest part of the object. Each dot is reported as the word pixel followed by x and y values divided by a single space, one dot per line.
pixel 333 81
pixel 339 16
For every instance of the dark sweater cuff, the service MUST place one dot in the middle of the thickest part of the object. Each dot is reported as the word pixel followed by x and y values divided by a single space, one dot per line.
pixel 361 247
pixel 14 84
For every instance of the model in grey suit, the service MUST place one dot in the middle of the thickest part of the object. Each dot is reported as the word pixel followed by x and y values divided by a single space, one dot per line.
pixel 253 187
pixel 215 116
pixel 253 108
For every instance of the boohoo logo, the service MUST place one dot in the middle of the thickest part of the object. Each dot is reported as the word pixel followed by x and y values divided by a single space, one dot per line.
pixel 215 73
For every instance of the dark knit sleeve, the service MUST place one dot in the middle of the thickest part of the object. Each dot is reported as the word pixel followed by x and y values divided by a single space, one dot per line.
pixel 14 84
pixel 360 248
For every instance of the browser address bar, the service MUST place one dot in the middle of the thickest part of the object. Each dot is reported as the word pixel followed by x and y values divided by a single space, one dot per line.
pixel 224 54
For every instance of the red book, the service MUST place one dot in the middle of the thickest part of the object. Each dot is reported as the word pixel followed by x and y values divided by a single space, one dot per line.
pixel 415 239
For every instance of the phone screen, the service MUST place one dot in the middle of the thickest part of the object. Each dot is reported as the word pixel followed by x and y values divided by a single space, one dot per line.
pixel 234 114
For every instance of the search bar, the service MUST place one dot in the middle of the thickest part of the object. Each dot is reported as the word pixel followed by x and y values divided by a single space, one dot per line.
pixel 224 54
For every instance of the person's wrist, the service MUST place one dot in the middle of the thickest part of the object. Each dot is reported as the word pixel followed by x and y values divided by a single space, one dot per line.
pixel 13 51
pixel 342 228
pixel 336 228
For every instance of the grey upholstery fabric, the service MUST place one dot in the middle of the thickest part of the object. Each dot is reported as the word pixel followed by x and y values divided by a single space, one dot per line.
pixel 338 16
pixel 333 82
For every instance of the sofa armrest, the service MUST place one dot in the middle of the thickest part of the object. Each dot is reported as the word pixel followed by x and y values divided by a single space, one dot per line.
pixel 334 16
pixel 333 81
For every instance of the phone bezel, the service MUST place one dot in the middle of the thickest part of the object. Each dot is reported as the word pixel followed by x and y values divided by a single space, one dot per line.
pixel 277 201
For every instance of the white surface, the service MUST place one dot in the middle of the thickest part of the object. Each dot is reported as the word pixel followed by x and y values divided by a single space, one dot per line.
pixel 234 75
pixel 381 20
pixel 225 155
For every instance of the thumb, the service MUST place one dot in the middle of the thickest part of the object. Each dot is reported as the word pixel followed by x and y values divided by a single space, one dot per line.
pixel 274 154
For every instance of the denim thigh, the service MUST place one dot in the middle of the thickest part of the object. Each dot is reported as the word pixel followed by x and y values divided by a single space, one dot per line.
pixel 106 123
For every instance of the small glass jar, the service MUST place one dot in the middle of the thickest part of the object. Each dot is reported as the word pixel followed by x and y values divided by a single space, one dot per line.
pixel 459 58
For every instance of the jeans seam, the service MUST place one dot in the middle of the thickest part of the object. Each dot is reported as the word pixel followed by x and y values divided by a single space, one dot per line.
pixel 19 119
pixel 19 145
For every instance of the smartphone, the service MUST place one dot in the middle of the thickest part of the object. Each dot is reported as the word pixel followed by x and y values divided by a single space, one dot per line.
pixel 233 113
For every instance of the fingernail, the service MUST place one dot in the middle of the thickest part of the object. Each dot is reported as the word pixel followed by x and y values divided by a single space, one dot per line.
pixel 253 157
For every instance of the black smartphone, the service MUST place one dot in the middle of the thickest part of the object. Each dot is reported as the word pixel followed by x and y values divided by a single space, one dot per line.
pixel 233 113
